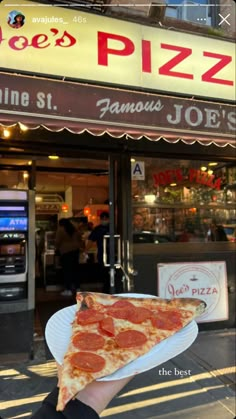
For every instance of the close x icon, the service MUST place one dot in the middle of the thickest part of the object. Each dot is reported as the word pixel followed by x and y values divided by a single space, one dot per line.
pixel 224 19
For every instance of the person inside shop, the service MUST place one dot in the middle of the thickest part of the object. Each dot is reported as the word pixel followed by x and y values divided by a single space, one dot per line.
pixel 91 255
pixel 88 403
pixel 216 232
pixel 187 235
pixel 68 245
pixel 39 247
pixel 138 223
pixel 96 236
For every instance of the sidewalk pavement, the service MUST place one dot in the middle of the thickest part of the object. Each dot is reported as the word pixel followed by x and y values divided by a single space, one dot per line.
pixel 206 392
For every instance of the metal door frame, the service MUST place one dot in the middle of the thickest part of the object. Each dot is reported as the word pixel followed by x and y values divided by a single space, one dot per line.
pixel 112 195
pixel 120 220
pixel 124 218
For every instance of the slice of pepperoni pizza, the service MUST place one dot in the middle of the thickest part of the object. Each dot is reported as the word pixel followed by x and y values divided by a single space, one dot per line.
pixel 109 331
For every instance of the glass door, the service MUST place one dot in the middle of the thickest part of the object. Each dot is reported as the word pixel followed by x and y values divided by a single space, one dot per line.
pixel 120 233
pixel 79 189
pixel 87 189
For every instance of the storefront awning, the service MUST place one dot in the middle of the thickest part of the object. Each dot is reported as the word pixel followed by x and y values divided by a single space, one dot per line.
pixel 36 103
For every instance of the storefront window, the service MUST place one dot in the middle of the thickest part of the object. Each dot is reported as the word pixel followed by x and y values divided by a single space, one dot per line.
pixel 10 179
pixel 183 200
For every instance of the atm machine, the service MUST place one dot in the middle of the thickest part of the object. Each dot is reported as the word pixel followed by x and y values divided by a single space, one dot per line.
pixel 17 264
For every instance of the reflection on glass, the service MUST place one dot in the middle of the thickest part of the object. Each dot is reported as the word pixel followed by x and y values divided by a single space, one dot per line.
pixel 178 201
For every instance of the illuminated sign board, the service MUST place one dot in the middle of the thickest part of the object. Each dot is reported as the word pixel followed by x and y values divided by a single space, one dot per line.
pixel 88 47
pixel 13 224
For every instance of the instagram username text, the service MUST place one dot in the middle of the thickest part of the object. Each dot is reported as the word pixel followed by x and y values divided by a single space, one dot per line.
pixel 55 19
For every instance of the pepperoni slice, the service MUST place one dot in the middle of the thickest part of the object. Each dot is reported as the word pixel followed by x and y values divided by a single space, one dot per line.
pixel 130 339
pixel 122 304
pixel 107 326
pixel 120 313
pixel 88 341
pixel 120 309
pixel 87 361
pixel 139 315
pixel 170 320
pixel 89 316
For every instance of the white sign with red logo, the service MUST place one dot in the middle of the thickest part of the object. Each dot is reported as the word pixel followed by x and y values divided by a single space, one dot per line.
pixel 204 280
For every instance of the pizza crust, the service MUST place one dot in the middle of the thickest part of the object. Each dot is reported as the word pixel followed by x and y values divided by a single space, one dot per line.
pixel 191 304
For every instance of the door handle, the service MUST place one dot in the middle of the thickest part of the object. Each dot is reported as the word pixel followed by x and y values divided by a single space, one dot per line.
pixel 105 238
pixel 117 263
pixel 132 271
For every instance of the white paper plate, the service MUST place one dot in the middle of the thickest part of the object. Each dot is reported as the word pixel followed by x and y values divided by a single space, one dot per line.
pixel 58 332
